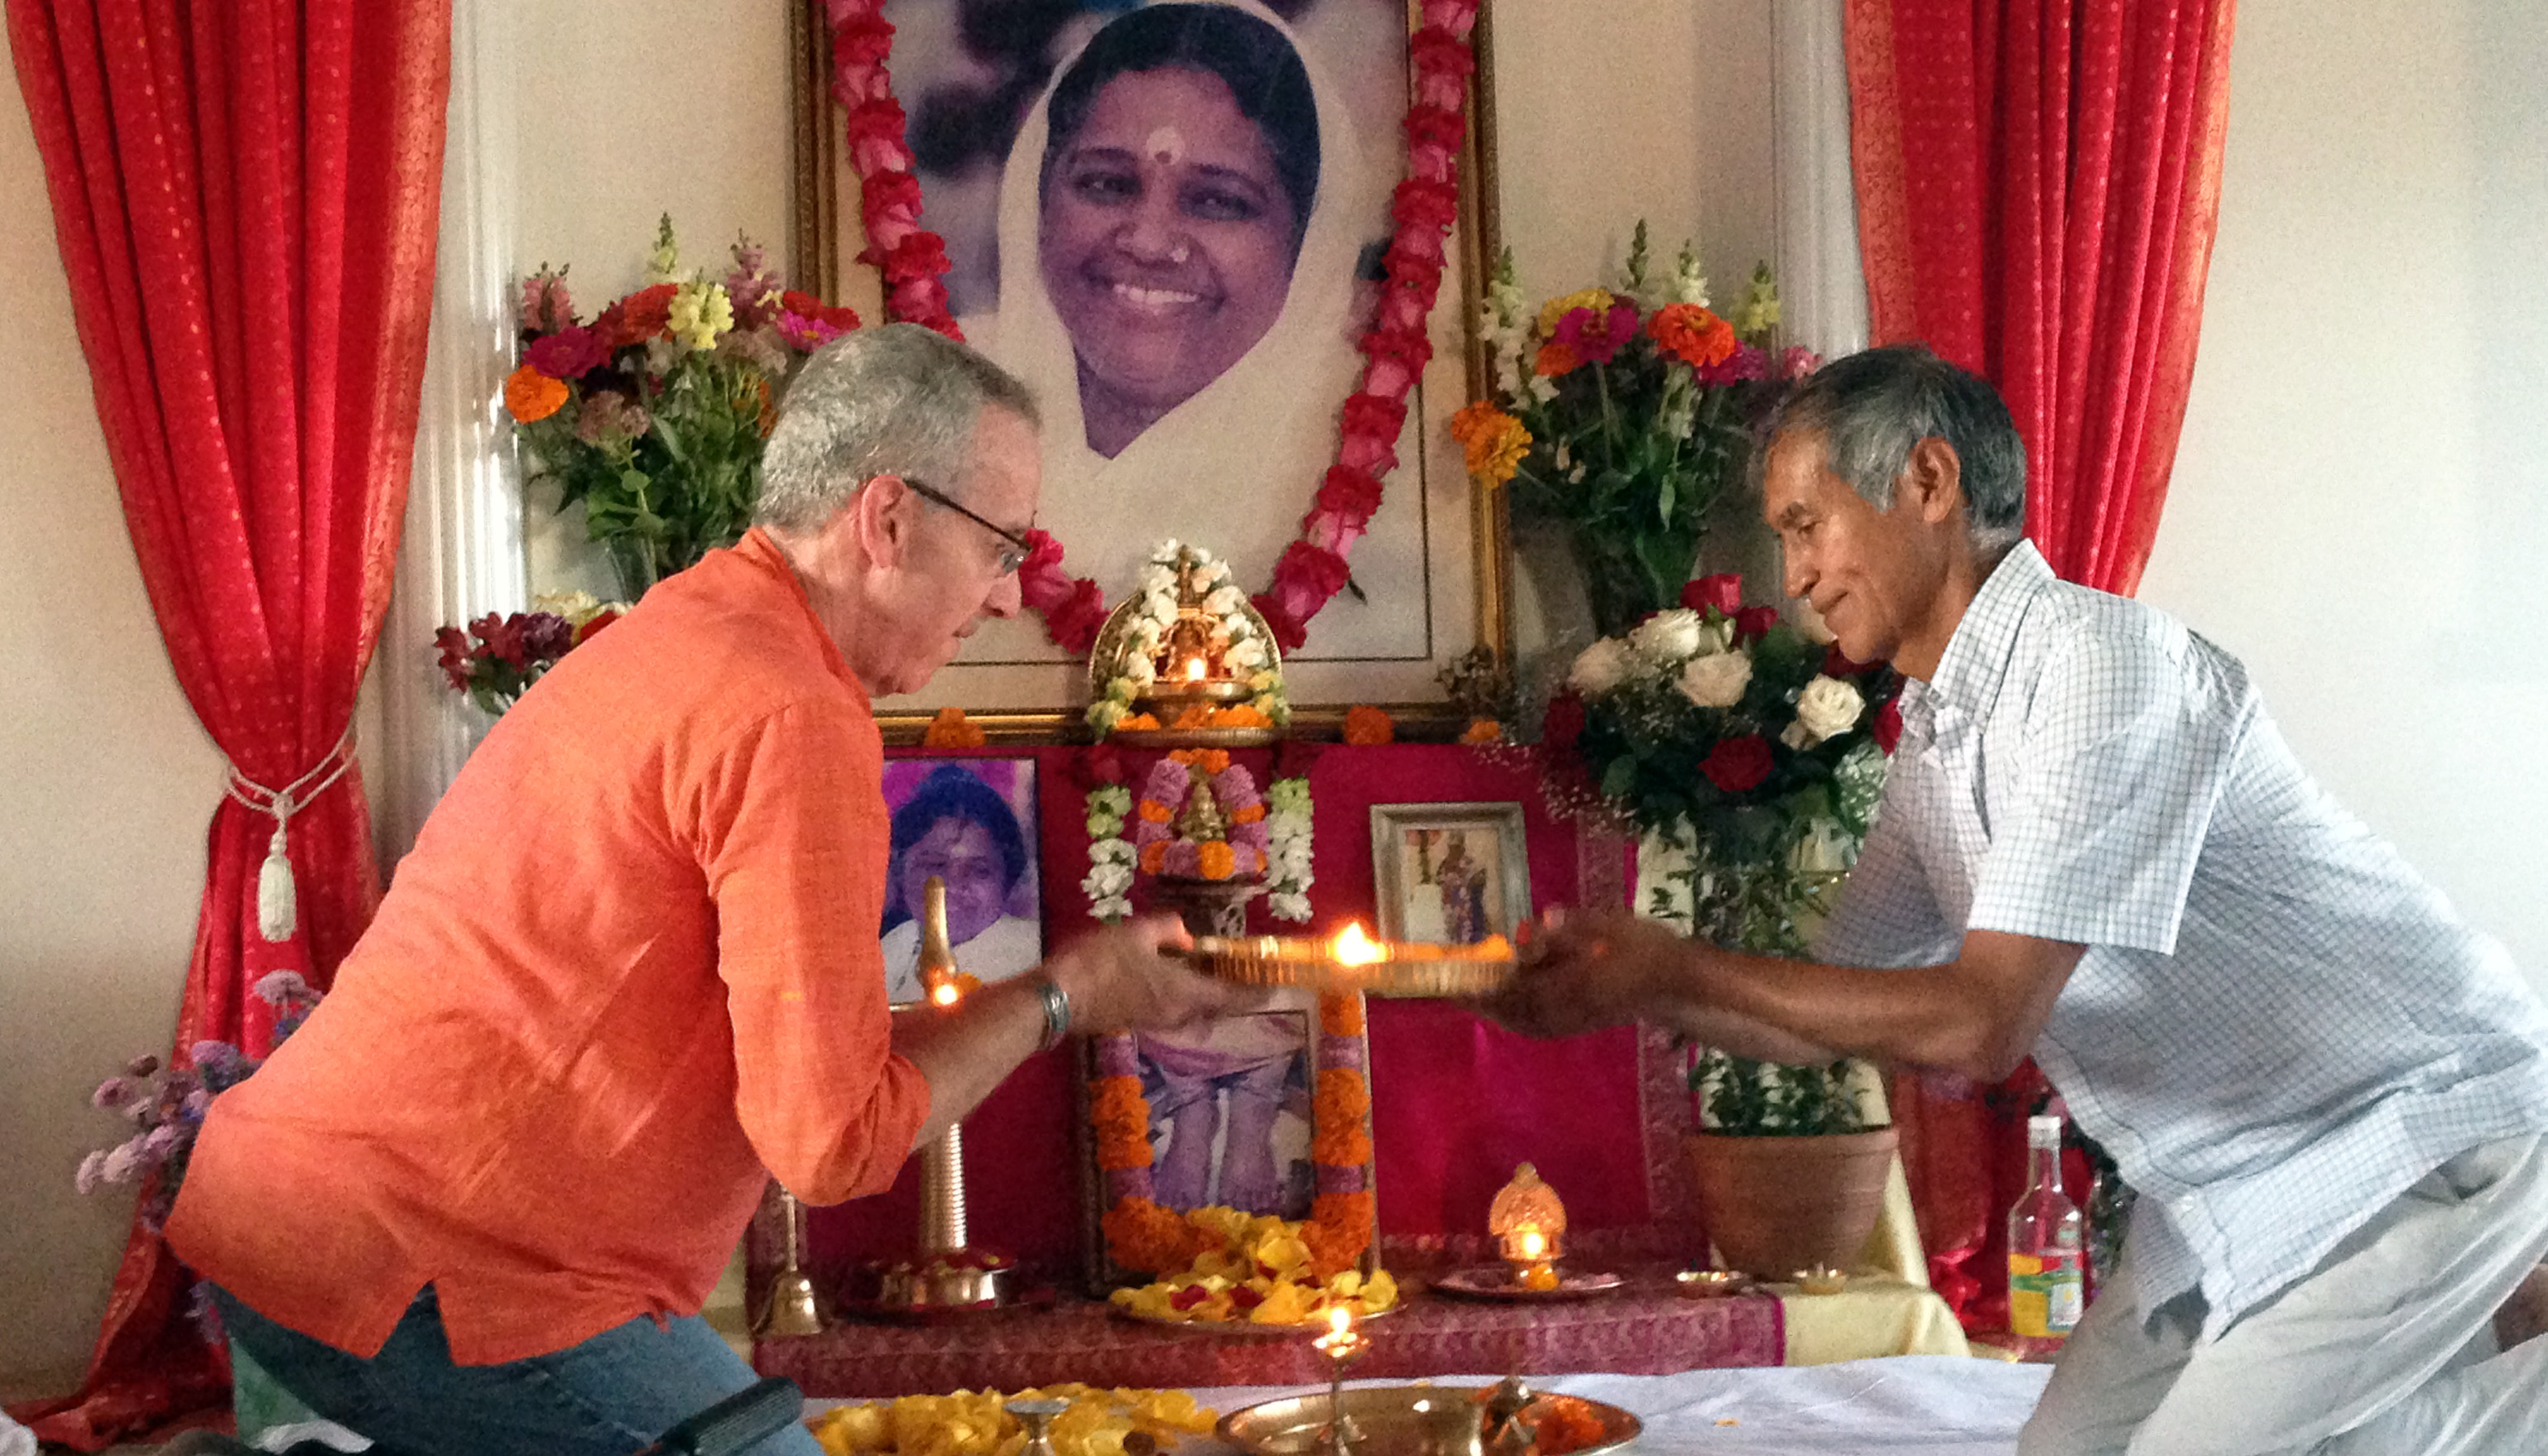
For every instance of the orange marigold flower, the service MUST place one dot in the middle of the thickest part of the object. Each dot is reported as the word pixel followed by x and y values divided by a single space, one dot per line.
pixel 1142 1236
pixel 1193 715
pixel 949 728
pixel 1240 715
pixel 1341 1015
pixel 1482 729
pixel 1492 442
pixel 1343 1096
pixel 1121 1117
pixel 1693 334
pixel 1215 860
pixel 1366 725
pixel 1554 360
pixel 1348 1146
pixel 1154 811
pixel 1339 1230
pixel 533 395
pixel 1154 854
pixel 1141 722
pixel 1249 815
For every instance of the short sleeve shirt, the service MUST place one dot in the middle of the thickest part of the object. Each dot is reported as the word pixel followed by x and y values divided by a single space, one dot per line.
pixel 2277 1026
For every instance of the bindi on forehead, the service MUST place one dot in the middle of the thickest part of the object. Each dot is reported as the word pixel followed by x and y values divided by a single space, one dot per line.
pixel 1165 145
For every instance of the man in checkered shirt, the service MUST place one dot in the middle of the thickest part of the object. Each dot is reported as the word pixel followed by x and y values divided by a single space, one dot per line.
pixel 2095 849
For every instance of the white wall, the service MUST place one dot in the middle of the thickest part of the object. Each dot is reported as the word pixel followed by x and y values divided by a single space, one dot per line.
pixel 2360 507
pixel 107 789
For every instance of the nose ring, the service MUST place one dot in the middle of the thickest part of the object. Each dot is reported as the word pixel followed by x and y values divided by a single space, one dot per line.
pixel 1180 254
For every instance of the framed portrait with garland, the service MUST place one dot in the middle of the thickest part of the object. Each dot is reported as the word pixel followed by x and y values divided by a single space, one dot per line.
pixel 1235 247
pixel 1263 1114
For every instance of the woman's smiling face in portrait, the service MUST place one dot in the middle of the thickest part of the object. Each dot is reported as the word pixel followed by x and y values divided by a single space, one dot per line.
pixel 1166 242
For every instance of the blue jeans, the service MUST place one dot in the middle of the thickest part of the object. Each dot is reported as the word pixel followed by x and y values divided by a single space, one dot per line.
pixel 611 1395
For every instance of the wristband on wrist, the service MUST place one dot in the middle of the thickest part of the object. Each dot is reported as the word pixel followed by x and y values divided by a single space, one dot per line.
pixel 1057 1012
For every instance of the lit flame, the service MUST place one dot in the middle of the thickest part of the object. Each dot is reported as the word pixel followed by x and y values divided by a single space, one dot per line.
pixel 1340 1319
pixel 1353 947
pixel 1531 1242
pixel 1193 670
pixel 944 993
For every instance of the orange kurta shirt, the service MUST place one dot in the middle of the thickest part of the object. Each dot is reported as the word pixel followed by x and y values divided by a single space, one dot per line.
pixel 630 965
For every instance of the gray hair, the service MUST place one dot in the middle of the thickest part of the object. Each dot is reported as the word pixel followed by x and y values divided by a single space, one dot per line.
pixel 896 399
pixel 1871 407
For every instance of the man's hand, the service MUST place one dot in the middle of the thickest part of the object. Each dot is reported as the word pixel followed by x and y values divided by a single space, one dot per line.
pixel 1118 980
pixel 1585 972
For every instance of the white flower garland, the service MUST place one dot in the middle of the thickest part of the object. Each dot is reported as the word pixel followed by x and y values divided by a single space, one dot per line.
pixel 1286 829
pixel 1155 592
pixel 1109 882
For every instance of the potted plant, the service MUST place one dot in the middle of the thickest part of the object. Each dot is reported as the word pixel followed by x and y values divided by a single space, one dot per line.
pixel 1751 759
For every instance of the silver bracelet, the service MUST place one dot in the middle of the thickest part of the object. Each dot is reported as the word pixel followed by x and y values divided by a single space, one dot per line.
pixel 1057 1012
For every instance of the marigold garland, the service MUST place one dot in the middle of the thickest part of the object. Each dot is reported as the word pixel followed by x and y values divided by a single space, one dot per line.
pixel 1121 1119
pixel 1424 205
pixel 949 728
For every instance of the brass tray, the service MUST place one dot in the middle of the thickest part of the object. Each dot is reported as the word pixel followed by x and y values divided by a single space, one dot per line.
pixel 1195 737
pixel 1497 1284
pixel 1247 1330
pixel 1394 1420
pixel 1294 960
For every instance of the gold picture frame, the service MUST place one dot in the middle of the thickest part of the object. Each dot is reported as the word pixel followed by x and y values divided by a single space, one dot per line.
pixel 823 256
pixel 1449 873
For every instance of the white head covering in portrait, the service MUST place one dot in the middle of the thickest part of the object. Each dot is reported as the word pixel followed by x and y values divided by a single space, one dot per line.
pixel 1265 428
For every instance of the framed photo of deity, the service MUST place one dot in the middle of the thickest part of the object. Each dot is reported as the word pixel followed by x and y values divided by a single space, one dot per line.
pixel 972 823
pixel 1267 1113
pixel 1175 220
pixel 1449 874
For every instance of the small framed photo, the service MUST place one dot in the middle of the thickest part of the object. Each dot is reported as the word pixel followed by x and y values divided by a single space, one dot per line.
pixel 971 822
pixel 1449 874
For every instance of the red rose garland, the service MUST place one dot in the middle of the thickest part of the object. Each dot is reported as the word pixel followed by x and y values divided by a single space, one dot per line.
pixel 1313 569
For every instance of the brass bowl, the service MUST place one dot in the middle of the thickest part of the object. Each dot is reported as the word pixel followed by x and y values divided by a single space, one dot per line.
pixel 1712 1284
pixel 1394 1420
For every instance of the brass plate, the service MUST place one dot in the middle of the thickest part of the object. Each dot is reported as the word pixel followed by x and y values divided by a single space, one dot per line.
pixel 1396 1421
pixel 1488 1283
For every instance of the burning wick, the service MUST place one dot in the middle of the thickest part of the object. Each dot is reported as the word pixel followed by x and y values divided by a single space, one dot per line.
pixel 1530 1243
pixel 1353 947
pixel 944 993
pixel 1193 670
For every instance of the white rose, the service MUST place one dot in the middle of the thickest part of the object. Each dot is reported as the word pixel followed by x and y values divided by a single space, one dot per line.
pixel 1165 553
pixel 1600 667
pixel 1160 606
pixel 1155 578
pixel 1234 627
pixel 1224 602
pixel 1669 636
pixel 1111 851
pixel 1137 668
pixel 1244 655
pixel 1716 681
pixel 1828 706
pixel 1110 880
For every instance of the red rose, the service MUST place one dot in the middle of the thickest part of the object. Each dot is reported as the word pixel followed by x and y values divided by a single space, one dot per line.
pixel 1376 417
pixel 1888 724
pixel 1074 623
pixel 866 38
pixel 592 625
pixel 641 314
pixel 1737 764
pixel 1435 126
pixel 1101 765
pixel 1564 723
pixel 1422 203
pixel 1722 591
pixel 878 120
pixel 1288 632
pixel 1754 622
pixel 1595 338
pixel 504 639
pixel 1321 574
pixel 1043 552
pixel 1434 48
pixel 569 353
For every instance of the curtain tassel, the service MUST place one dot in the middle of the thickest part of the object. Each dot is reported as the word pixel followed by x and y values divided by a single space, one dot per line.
pixel 278 907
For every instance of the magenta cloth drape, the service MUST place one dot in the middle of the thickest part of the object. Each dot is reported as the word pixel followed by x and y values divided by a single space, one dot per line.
pixel 2037 185
pixel 246 196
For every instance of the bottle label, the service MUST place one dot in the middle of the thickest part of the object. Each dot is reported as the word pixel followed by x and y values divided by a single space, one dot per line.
pixel 2044 1292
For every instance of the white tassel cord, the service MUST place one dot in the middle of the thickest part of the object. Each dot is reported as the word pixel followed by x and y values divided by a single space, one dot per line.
pixel 278 915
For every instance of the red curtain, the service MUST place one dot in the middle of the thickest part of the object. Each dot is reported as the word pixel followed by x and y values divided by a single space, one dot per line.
pixel 246 197
pixel 2038 183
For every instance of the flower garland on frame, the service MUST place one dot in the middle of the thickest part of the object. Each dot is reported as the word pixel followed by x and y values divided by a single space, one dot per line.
pixel 1426 203
pixel 1149 1238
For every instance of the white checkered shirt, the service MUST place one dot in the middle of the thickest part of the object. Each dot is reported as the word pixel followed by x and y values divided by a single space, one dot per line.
pixel 2277 1026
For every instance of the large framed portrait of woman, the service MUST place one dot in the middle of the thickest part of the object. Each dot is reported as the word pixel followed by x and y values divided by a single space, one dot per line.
pixel 1168 217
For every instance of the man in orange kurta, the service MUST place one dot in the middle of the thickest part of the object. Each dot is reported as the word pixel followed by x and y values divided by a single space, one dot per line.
pixel 630 970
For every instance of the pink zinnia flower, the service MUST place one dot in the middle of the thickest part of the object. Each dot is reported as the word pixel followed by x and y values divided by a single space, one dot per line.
pixel 1594 340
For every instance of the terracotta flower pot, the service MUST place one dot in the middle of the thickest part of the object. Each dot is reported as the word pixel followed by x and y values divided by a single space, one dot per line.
pixel 1778 1204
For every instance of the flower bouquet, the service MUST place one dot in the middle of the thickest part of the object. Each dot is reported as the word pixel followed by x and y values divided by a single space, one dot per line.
pixel 653 414
pixel 166 1104
pixel 1625 415
pixel 1753 760
pixel 498 658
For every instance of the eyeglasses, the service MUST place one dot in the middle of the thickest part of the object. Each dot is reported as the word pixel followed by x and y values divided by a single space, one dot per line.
pixel 1012 556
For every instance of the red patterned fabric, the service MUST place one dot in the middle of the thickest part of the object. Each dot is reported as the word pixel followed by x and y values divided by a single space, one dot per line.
pixel 2038 186
pixel 246 196
pixel 1646 1329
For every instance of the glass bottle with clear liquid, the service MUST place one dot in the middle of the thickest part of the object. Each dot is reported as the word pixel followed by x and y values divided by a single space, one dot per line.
pixel 2047 1256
